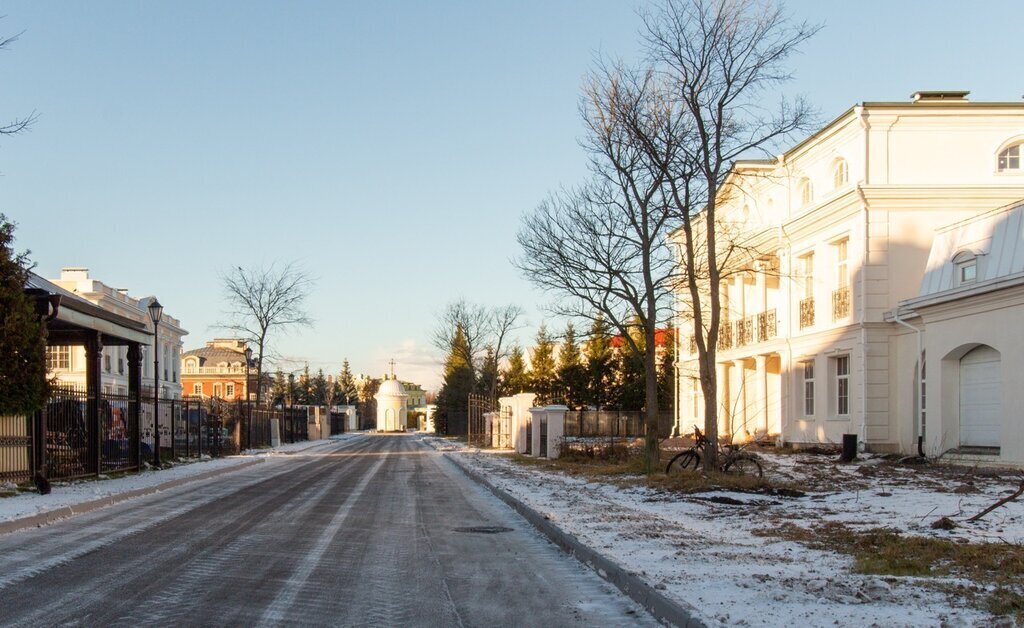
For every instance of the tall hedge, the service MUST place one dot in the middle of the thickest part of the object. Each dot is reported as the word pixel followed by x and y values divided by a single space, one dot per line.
pixel 23 384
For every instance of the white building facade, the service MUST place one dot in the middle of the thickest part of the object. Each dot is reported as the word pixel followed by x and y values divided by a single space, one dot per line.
pixel 67 364
pixel 843 225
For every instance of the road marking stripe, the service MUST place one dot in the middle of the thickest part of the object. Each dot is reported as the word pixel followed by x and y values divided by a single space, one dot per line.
pixel 275 612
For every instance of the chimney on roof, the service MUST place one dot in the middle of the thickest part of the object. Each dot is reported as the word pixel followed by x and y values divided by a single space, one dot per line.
pixel 122 291
pixel 940 96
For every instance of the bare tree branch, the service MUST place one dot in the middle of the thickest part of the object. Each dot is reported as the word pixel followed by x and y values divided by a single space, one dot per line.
pixel 263 300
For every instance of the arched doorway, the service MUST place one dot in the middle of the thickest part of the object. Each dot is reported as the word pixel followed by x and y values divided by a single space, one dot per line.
pixel 980 392
pixel 389 420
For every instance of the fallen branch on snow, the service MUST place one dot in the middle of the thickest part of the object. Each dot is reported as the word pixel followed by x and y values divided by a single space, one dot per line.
pixel 1008 498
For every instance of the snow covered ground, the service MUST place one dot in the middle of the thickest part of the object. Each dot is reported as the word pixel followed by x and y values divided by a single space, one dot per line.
pixel 708 555
pixel 80 491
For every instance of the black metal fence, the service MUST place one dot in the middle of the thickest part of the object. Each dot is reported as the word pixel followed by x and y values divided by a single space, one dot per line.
pixel 338 423
pixel 613 423
pixel 60 438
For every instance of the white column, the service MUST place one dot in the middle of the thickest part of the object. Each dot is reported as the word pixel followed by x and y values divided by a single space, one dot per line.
pixel 723 398
pixel 761 391
pixel 739 395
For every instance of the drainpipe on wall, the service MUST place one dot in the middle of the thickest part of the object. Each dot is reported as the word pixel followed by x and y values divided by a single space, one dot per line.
pixel 920 410
pixel 863 303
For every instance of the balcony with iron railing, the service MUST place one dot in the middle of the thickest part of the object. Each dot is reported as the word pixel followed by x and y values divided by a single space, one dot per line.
pixel 725 335
pixel 841 303
pixel 806 312
pixel 743 331
pixel 766 325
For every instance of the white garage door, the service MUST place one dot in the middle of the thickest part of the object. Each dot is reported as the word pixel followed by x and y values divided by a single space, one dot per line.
pixel 980 390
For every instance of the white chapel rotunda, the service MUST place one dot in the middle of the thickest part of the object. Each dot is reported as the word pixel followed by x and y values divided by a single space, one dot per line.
pixel 392 408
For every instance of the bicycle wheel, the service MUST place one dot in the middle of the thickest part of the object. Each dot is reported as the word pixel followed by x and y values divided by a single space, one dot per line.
pixel 688 460
pixel 744 464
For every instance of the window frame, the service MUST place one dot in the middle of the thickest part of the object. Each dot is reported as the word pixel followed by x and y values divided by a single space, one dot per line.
pixel 841 247
pixel 1004 154
pixel 808 389
pixel 58 358
pixel 840 173
pixel 806 192
pixel 229 390
pixel 197 389
pixel 841 407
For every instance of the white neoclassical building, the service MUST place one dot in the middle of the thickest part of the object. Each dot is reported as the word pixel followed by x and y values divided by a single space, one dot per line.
pixel 392 406
pixel 67 363
pixel 851 226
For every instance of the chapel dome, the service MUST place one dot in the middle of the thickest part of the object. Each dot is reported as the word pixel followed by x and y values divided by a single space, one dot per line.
pixel 391 388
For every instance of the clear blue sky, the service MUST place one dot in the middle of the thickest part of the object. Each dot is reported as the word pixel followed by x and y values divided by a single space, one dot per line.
pixel 391 147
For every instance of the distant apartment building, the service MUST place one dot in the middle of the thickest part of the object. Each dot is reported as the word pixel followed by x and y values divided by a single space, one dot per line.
pixel 67 363
pixel 218 370
pixel 850 230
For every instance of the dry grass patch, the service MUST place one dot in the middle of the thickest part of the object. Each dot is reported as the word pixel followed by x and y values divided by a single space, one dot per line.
pixel 886 552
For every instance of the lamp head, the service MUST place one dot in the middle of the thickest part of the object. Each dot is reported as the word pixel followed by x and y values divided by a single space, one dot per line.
pixel 156 311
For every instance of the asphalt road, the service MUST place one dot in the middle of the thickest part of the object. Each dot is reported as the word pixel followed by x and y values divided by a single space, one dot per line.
pixel 358 533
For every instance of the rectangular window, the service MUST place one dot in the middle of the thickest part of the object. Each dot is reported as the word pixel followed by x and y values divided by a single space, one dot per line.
pixel 229 391
pixel 216 390
pixel 120 364
pixel 106 362
pixel 58 358
pixel 842 251
pixel 968 271
pixel 809 388
pixel 197 389
pixel 842 385
pixel 808 271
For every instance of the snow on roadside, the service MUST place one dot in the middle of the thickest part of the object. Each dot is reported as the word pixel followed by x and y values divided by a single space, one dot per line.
pixel 65 494
pixel 705 554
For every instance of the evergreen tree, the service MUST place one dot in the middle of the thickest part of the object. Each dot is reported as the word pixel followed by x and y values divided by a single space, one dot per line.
pixel 278 389
pixel 347 391
pixel 305 389
pixel 572 376
pixel 666 375
pixel 291 391
pixel 458 383
pixel 629 378
pixel 23 385
pixel 515 379
pixel 543 375
pixel 600 365
pixel 318 389
pixel 488 380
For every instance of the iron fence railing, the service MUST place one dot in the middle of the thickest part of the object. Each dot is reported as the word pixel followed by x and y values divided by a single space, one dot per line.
pixel 841 303
pixel 806 312
pixel 766 328
pixel 613 423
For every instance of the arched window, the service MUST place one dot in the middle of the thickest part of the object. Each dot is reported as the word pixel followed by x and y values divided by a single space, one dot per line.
pixel 840 173
pixel 806 192
pixel 1009 158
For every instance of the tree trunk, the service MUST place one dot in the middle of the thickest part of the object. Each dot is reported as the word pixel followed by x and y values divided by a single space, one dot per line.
pixel 651 437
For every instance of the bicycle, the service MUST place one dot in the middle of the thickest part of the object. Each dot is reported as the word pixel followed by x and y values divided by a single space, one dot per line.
pixel 731 458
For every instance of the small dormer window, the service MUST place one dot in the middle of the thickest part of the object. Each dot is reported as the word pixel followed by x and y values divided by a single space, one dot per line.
pixel 1009 159
pixel 969 271
pixel 966 264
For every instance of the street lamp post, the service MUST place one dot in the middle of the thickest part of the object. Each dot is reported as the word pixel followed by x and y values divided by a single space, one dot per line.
pixel 156 311
pixel 248 395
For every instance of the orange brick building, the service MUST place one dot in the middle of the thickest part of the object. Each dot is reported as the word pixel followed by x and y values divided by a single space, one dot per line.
pixel 218 370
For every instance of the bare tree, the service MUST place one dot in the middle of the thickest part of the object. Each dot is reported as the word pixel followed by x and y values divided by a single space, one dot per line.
pixel 719 59
pixel 17 125
pixel 603 247
pixel 484 328
pixel 263 300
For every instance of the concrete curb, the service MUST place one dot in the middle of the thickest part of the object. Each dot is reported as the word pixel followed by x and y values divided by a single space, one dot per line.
pixel 662 608
pixel 63 512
